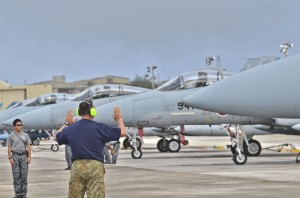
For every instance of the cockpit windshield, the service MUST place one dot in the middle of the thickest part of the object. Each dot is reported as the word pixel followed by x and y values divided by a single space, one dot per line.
pixel 107 90
pixel 194 79
pixel 14 105
pixel 46 99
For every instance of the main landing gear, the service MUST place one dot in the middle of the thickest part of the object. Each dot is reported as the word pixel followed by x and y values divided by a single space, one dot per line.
pixel 174 144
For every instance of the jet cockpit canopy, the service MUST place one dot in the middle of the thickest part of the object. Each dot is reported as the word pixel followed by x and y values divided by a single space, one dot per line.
pixel 194 79
pixel 46 99
pixel 107 90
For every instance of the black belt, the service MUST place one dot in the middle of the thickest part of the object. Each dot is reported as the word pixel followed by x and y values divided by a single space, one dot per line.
pixel 20 154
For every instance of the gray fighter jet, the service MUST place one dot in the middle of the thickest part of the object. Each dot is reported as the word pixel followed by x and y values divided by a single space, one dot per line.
pixel 162 108
pixel 32 104
pixel 52 117
pixel 270 91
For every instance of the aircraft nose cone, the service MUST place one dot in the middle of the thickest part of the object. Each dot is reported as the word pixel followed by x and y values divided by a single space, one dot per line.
pixel 3 118
pixel 35 119
pixel 296 127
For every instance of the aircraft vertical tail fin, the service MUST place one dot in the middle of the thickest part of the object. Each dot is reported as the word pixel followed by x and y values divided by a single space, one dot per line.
pixel 254 62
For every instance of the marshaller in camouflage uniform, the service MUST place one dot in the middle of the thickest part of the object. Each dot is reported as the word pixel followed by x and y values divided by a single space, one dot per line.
pixel 18 146
pixel 68 155
pixel 87 139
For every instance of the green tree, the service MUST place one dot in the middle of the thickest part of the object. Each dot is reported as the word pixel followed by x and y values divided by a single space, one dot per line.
pixel 140 81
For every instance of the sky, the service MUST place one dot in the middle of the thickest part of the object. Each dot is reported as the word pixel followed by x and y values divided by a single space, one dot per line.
pixel 94 38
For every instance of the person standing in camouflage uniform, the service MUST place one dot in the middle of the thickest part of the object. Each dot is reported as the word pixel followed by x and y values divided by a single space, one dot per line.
pixel 111 152
pixel 68 155
pixel 19 155
pixel 87 139
pixel 115 152
pixel 107 150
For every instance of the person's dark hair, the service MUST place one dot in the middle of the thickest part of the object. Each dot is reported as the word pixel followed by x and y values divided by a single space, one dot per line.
pixel 16 121
pixel 85 107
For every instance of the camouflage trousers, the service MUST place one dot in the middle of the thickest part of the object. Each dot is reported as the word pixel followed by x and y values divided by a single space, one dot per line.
pixel 114 154
pixel 20 172
pixel 87 176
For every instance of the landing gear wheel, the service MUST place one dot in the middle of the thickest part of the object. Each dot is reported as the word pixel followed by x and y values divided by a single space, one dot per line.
pixel 163 145
pixel 138 143
pixel 126 143
pixel 136 154
pixel 253 149
pixel 174 145
pixel 36 142
pixel 239 160
pixel 232 148
pixel 298 158
pixel 54 147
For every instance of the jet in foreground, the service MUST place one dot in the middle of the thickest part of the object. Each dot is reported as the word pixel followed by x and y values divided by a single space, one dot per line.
pixel 270 91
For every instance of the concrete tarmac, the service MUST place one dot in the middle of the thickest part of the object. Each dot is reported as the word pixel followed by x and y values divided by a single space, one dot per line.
pixel 198 170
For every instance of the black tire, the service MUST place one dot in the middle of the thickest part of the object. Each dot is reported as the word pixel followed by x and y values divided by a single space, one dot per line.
pixel 232 148
pixel 126 143
pixel 138 143
pixel 240 160
pixel 254 148
pixel 174 145
pixel 136 154
pixel 163 145
pixel 54 147
pixel 298 158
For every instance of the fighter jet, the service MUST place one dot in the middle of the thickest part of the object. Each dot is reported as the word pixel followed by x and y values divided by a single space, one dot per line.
pixel 53 116
pixel 269 91
pixel 3 137
pixel 31 104
pixel 162 108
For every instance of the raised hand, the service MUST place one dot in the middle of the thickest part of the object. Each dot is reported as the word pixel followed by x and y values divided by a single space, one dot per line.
pixel 70 117
pixel 117 114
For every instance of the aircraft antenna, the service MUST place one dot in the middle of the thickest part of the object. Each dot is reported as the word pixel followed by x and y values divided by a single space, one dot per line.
pixel 284 48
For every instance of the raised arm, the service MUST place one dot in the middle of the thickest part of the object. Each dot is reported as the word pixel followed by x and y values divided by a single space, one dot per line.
pixel 118 117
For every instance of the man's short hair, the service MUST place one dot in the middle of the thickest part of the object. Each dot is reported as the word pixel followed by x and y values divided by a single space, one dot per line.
pixel 16 121
pixel 85 107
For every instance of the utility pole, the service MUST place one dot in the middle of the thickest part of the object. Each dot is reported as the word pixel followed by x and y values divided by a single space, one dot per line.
pixel 150 69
